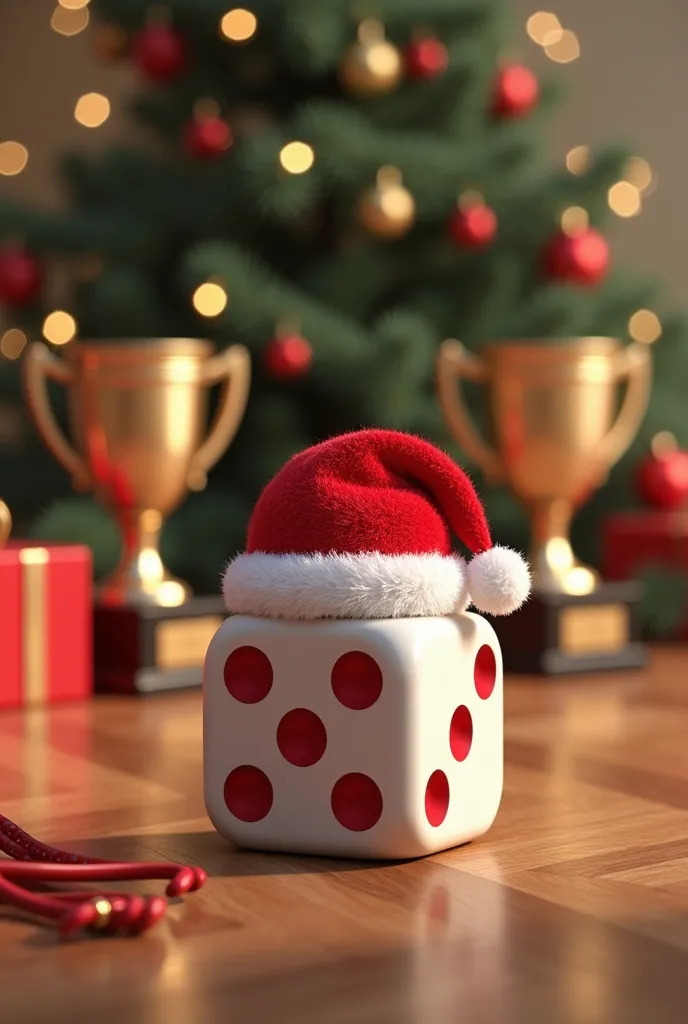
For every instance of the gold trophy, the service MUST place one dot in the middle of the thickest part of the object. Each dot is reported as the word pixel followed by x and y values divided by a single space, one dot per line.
pixel 556 433
pixel 5 522
pixel 138 412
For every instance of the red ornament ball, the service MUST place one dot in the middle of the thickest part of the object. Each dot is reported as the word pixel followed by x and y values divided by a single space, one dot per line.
pixel 662 477
pixel 288 357
pixel 473 227
pixel 580 257
pixel 516 92
pixel 21 277
pixel 160 53
pixel 207 137
pixel 426 58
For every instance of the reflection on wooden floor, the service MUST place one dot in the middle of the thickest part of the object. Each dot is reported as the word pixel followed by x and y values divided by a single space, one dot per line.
pixel 573 910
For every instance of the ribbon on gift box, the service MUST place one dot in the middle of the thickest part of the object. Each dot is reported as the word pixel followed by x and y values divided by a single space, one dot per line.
pixel 33 563
pixel 99 910
pixel 34 571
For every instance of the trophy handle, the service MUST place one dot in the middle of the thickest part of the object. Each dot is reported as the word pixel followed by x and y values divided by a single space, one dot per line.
pixel 455 362
pixel 234 367
pixel 634 364
pixel 39 365
pixel 5 522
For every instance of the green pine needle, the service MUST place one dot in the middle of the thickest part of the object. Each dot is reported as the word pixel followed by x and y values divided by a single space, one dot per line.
pixel 664 605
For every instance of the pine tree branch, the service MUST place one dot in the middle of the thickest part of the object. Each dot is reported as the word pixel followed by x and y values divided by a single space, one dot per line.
pixel 78 232
pixel 665 600
pixel 259 300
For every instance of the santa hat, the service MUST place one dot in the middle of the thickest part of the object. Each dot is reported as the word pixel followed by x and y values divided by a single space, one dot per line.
pixel 360 527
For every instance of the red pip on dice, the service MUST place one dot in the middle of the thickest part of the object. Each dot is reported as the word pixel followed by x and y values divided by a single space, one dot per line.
pixel 353 707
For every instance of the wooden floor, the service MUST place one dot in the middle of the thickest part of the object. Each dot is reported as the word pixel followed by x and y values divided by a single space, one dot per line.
pixel 572 910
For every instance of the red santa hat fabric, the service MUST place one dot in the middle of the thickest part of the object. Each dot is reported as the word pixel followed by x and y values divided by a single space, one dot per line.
pixel 361 526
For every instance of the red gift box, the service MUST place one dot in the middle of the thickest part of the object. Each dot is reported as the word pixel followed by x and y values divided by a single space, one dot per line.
pixel 45 623
pixel 634 539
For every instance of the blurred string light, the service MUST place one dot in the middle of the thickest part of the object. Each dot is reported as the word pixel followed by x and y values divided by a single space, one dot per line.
pixel 238 25
pixel 13 158
pixel 624 199
pixel 625 196
pixel 209 299
pixel 544 28
pixel 560 44
pixel 564 49
pixel 12 343
pixel 59 327
pixel 578 159
pixel 470 198
pixel 297 157
pixel 640 174
pixel 645 326
pixel 574 220
pixel 92 109
pixel 663 443
pixel 68 21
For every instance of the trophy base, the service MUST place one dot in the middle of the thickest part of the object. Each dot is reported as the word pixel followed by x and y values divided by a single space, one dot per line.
pixel 557 634
pixel 141 649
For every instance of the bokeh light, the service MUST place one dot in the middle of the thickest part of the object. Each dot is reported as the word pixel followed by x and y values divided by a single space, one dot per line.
pixel 209 299
pixel 466 200
pixel 574 220
pixel 578 159
pixel 663 443
pixel 544 28
pixel 564 49
pixel 638 172
pixel 69 22
pixel 59 327
pixel 624 199
pixel 297 157
pixel 13 157
pixel 12 343
pixel 645 326
pixel 92 109
pixel 238 25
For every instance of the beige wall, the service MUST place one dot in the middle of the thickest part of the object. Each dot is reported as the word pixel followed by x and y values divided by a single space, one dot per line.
pixel 42 75
pixel 629 83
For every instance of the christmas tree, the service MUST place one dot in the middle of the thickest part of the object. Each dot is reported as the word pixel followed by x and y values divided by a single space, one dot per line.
pixel 340 189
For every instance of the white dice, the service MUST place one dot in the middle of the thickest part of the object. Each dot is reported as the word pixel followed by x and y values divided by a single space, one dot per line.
pixel 373 739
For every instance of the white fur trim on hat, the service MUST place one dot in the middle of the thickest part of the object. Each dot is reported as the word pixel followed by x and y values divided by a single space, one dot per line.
pixel 498 581
pixel 362 586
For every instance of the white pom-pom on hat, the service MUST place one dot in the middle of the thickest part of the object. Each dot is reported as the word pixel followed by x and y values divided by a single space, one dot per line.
pixel 498 581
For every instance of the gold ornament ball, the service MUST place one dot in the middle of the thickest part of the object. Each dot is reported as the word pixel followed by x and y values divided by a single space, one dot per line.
pixel 387 210
pixel 373 65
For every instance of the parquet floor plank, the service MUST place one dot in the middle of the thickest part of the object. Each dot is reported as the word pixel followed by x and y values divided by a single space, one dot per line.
pixel 572 910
